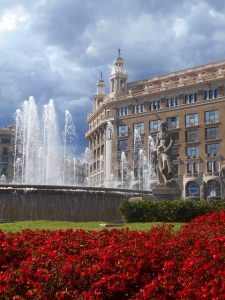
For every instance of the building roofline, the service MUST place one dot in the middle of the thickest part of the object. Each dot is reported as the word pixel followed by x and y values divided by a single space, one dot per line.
pixel 178 73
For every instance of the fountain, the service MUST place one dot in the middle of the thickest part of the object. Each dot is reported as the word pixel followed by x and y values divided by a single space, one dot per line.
pixel 123 170
pixel 39 158
pixel 143 173
pixel 45 184
pixel 151 178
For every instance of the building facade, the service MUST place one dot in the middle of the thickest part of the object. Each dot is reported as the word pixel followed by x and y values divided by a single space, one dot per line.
pixel 191 102
pixel 6 153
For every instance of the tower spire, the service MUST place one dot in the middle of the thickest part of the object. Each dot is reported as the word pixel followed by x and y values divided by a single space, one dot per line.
pixel 118 78
pixel 99 95
pixel 119 52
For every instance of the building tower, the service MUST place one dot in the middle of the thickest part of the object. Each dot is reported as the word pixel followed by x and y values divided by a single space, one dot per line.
pixel 99 96
pixel 118 78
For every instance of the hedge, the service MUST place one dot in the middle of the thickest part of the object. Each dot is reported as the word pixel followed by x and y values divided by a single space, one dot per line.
pixel 167 210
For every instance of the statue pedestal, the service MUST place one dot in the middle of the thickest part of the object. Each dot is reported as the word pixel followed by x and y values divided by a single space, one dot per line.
pixel 161 192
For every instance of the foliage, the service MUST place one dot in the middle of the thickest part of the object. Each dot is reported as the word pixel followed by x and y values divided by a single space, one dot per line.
pixel 116 264
pixel 167 210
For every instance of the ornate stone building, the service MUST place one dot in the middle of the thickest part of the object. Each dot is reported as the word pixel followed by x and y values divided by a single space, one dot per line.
pixel 6 153
pixel 190 101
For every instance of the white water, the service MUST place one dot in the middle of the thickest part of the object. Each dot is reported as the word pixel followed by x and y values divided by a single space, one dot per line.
pixel 39 155
pixel 44 156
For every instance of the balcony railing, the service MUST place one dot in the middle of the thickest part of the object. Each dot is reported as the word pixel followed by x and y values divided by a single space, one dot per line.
pixel 212 174
pixel 191 175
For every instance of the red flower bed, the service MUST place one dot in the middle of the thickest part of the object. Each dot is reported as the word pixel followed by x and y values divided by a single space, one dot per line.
pixel 116 264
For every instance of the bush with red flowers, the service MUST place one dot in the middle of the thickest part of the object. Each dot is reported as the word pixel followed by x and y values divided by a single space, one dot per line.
pixel 116 264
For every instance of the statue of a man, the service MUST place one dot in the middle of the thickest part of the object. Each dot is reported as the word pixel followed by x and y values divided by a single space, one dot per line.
pixel 164 143
pixel 109 130
pixel 203 192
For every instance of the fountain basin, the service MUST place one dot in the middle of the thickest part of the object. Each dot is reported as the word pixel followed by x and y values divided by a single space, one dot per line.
pixel 62 203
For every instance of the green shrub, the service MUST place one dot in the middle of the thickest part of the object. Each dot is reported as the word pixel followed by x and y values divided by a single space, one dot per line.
pixel 167 210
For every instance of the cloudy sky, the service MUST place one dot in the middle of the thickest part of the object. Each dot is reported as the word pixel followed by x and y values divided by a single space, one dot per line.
pixel 56 48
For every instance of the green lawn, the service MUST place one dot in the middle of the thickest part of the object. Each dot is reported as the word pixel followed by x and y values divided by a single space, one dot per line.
pixel 54 225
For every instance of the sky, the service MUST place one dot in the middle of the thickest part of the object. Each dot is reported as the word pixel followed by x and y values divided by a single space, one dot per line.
pixel 56 49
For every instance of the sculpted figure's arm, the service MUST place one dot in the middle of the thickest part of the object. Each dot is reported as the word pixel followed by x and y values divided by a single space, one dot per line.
pixel 171 143
pixel 157 141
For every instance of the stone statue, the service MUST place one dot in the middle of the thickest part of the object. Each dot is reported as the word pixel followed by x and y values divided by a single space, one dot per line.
pixel 164 143
pixel 109 130
pixel 203 192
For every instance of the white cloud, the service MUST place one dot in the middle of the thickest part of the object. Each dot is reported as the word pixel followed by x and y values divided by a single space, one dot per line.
pixel 92 50
pixel 180 27
pixel 59 62
pixel 12 19
pixel 55 49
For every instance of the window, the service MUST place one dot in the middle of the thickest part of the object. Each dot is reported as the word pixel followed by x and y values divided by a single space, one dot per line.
pixel 5 151
pixel 122 111
pixel 122 130
pixel 4 171
pixel 192 168
pixel 192 151
pixel 213 188
pixel 102 150
pixel 174 101
pixel 113 85
pixel 191 120
pixel 90 144
pixel 191 98
pixel 211 116
pixel 212 149
pixel 154 105
pixel 176 169
pixel 122 84
pixel 211 94
pixel 212 133
pixel 172 122
pixel 174 152
pixel 154 125
pixel 209 166
pixel 107 114
pixel 176 137
pixel 138 108
pixel 5 140
pixel 4 161
pixel 122 157
pixel 138 143
pixel 122 145
pixel 139 127
pixel 192 136
pixel 213 166
pixel 216 166
pixel 98 152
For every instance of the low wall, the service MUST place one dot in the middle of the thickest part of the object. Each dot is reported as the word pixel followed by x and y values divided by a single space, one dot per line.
pixel 20 202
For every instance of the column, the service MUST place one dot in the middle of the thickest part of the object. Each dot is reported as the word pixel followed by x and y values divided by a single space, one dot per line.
pixel 108 154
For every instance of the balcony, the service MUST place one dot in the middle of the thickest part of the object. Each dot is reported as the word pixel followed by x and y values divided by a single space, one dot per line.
pixel 214 174
pixel 191 157
pixel 98 125
pixel 192 175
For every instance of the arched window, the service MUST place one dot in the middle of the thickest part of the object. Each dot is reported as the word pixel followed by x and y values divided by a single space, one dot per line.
pixel 213 188
pixel 193 188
